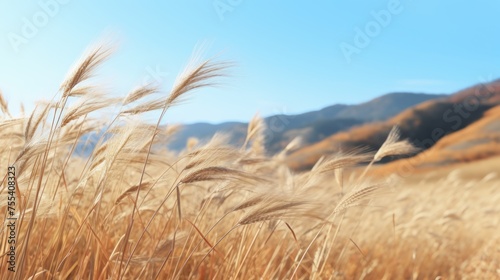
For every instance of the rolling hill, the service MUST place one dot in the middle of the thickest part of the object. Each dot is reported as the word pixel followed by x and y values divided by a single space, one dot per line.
pixel 424 124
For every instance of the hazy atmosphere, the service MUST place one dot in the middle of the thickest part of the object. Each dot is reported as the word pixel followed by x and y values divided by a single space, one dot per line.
pixel 232 139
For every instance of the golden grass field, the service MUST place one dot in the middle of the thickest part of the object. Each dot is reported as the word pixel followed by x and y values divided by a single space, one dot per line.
pixel 133 210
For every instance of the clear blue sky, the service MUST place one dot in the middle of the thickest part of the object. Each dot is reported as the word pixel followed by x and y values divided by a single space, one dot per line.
pixel 291 56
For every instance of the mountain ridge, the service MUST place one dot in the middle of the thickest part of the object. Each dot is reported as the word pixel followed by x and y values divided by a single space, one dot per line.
pixel 324 122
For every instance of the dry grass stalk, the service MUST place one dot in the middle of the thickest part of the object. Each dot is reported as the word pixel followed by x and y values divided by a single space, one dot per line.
pixel 132 190
pixel 3 105
pixel 139 93
pixel 356 196
pixel 90 103
pixel 394 147
pixel 195 76
pixel 344 160
pixel 34 122
pixel 219 173
pixel 276 210
pixel 85 69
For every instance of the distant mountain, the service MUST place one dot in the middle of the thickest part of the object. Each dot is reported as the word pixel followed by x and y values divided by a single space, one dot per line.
pixel 424 124
pixel 312 126
pixel 386 106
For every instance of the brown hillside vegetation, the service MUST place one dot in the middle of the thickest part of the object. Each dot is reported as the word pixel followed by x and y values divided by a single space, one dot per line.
pixel 477 141
pixel 423 124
